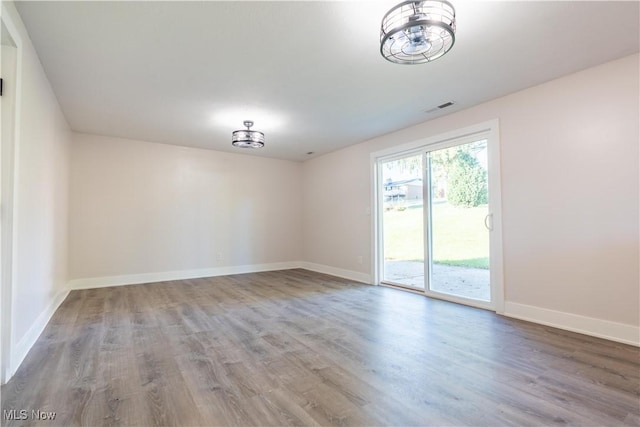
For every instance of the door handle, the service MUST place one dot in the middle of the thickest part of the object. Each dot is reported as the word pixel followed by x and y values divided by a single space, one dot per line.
pixel 488 224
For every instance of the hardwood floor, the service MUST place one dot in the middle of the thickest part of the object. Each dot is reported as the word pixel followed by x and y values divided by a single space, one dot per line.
pixel 300 348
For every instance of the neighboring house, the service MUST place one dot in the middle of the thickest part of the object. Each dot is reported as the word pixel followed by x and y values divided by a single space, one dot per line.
pixel 407 189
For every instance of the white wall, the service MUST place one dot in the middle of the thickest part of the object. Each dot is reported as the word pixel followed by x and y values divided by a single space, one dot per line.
pixel 143 211
pixel 570 181
pixel 41 199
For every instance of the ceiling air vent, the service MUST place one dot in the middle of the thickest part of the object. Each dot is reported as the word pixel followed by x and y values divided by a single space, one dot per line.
pixel 440 107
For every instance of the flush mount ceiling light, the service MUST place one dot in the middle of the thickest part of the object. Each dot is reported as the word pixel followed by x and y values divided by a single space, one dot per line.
pixel 415 32
pixel 247 138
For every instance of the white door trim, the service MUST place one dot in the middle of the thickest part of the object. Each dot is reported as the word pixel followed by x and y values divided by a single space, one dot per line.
pixel 7 285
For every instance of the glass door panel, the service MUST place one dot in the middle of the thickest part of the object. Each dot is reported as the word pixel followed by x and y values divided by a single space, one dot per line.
pixel 401 196
pixel 459 221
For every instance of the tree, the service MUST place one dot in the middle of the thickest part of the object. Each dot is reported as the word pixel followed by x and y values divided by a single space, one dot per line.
pixel 467 181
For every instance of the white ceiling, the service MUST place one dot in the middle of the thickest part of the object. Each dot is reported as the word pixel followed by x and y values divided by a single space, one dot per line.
pixel 308 73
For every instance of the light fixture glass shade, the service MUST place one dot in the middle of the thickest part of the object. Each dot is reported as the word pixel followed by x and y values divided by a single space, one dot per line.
pixel 415 32
pixel 247 138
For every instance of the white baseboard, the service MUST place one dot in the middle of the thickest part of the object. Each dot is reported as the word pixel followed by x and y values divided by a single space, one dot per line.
pixel 339 272
pixel 23 346
pixel 620 332
pixel 135 279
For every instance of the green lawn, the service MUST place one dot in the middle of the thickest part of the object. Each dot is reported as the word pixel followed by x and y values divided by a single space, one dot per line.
pixel 459 235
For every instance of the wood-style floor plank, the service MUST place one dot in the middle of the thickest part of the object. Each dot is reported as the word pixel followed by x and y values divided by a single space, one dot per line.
pixel 301 348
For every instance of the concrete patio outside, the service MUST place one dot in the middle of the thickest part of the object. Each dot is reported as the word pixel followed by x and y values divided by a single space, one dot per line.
pixel 460 281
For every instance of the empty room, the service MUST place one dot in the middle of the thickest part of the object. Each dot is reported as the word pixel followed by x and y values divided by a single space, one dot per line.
pixel 349 213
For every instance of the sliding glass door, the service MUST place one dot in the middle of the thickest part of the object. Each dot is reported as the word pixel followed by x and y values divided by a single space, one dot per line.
pixel 459 220
pixel 402 195
pixel 435 220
